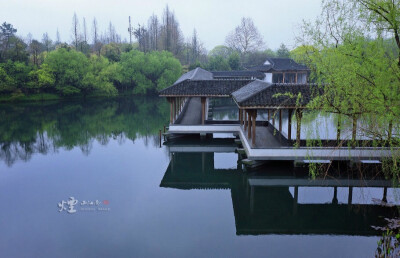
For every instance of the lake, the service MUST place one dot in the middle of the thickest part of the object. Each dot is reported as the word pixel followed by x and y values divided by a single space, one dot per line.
pixel 89 179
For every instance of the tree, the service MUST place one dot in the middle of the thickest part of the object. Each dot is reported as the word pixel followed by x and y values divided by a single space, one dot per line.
pixel 7 32
pixel 154 32
pixel 221 50
pixel 218 63
pixel 47 42
pixel 352 62
pixel 69 68
pixel 75 30
pixel 34 48
pixel 234 61
pixel 171 35
pixel 95 34
pixel 112 51
pixel 148 72
pixel 142 36
pixel 283 51
pixel 245 38
pixel 58 38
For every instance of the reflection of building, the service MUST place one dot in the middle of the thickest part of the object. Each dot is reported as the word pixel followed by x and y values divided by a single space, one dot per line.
pixel 265 205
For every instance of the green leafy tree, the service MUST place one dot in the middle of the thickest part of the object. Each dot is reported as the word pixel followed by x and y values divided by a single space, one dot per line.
pixel 234 61
pixel 218 63
pixel 348 52
pixel 69 68
pixel 112 51
pixel 148 72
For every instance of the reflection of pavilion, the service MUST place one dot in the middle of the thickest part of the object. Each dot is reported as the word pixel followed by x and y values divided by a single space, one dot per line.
pixel 265 205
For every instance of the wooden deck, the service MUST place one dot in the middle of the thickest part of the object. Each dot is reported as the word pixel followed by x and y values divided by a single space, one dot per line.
pixel 267 145
pixel 271 150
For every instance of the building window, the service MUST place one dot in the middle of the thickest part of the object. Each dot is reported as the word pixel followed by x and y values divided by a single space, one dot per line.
pixel 301 78
pixel 277 78
pixel 290 77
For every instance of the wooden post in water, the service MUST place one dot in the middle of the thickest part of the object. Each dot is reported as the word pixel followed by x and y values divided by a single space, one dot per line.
pixel 254 126
pixel 164 128
pixel 160 138
pixel 290 113
pixel 240 117
pixel 299 114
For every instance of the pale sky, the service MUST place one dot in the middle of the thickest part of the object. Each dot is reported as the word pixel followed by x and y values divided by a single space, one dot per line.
pixel 277 20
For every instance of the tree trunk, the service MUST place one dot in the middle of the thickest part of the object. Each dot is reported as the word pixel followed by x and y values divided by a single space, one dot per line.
pixel 339 124
pixel 354 131
pixel 299 114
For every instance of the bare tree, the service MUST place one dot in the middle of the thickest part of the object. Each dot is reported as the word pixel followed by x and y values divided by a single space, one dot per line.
pixel 46 41
pixel 58 38
pixel 172 39
pixel 75 30
pixel 84 30
pixel 130 30
pixel 95 32
pixel 154 32
pixel 245 38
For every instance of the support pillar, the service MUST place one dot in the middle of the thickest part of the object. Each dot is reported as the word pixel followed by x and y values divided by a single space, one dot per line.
pixel 171 111
pixel 203 110
pixel 249 124
pixel 273 118
pixel 290 113
pixel 350 197
pixel 384 199
pixel 254 127
pixel 280 120
pixel 295 199
pixel 335 199
pixel 245 119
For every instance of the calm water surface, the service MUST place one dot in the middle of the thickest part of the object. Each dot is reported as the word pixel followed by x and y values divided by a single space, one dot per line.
pixel 154 203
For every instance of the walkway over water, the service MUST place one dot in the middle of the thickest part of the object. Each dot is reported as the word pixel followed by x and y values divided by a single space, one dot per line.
pixel 192 114
pixel 270 143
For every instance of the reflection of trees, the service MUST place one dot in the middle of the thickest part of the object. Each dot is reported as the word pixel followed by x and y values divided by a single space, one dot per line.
pixel 26 129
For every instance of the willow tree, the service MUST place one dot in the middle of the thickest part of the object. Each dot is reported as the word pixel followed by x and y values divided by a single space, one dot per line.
pixel 351 56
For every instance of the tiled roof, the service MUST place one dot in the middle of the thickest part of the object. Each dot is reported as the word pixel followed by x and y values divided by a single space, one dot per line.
pixel 195 74
pixel 234 74
pixel 250 90
pixel 280 65
pixel 204 88
pixel 276 95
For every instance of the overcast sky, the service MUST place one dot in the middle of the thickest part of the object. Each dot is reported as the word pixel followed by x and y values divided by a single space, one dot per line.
pixel 277 20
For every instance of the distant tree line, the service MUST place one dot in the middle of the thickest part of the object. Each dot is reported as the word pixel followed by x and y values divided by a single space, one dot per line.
pixel 100 62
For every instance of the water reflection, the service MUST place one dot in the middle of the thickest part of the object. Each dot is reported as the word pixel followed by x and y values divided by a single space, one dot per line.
pixel 29 128
pixel 282 200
